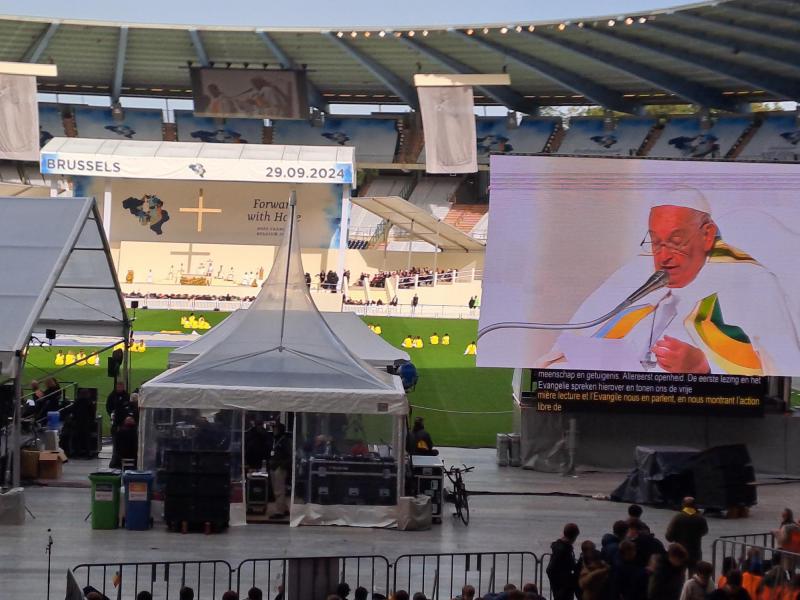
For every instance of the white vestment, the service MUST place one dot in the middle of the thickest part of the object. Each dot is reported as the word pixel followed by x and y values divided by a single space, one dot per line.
pixel 748 296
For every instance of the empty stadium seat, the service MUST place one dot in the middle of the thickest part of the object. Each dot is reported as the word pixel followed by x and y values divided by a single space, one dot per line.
pixel 685 137
pixel 596 136
pixel 778 138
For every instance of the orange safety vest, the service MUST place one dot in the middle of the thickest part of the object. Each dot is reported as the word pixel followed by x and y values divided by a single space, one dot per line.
pixel 750 583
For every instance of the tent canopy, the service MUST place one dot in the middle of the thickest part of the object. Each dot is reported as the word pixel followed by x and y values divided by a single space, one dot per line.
pixel 420 223
pixel 280 355
pixel 353 332
pixel 56 273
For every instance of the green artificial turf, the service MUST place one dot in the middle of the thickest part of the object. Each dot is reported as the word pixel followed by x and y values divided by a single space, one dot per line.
pixel 170 320
pixel 448 380
pixel 144 366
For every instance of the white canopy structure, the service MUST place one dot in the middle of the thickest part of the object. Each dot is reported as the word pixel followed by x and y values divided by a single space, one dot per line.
pixel 56 273
pixel 420 223
pixel 281 355
pixel 353 332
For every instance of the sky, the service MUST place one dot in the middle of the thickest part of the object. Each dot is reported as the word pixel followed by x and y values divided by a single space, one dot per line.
pixel 327 13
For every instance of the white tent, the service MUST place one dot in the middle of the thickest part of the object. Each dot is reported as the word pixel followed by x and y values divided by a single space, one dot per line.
pixel 353 332
pixel 56 273
pixel 281 355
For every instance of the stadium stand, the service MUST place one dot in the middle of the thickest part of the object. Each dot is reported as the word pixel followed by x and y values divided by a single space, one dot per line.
pixel 466 217
pixel 434 194
pixel 134 124
pixel 603 137
pixel 51 123
pixel 228 131
pixel 374 138
pixel 778 138
pixel 481 229
pixel 362 222
pixel 494 135
pixel 686 137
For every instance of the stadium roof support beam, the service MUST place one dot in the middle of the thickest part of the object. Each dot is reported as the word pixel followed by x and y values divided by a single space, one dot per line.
pixel 678 23
pixel 777 85
pixel 509 98
pixel 119 66
pixel 740 29
pixel 315 97
pixel 35 51
pixel 692 92
pixel 199 48
pixel 600 94
pixel 397 85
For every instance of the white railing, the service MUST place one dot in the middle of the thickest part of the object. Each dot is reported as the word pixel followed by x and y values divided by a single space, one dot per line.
pixel 427 311
pixel 408 282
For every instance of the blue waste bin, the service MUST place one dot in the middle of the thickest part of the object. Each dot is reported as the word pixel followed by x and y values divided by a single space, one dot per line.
pixel 53 420
pixel 138 496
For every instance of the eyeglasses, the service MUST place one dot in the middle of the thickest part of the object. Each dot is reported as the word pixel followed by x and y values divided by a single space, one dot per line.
pixel 676 244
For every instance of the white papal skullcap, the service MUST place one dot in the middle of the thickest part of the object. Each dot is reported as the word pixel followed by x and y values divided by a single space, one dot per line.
pixel 686 197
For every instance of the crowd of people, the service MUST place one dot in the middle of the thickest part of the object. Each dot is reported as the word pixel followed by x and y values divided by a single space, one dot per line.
pixel 407 277
pixel 631 563
pixel 221 298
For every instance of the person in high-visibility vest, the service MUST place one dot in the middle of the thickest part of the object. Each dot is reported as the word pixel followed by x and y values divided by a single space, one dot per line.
pixel 95 360
pixel 69 359
pixel 377 329
pixel 408 342
pixel 59 358
pixel 434 339
pixel 418 343
pixel 371 327
pixel 80 358
pixel 184 322
pixel 202 323
pixel 472 349
pixel 446 339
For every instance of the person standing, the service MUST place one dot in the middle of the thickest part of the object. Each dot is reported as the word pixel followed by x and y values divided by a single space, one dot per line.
pixel 414 302
pixel 561 570
pixel 280 464
pixel 699 585
pixel 669 574
pixel 117 404
pixel 687 528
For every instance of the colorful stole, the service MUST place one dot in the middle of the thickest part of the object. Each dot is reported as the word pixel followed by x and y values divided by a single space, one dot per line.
pixel 621 325
pixel 728 345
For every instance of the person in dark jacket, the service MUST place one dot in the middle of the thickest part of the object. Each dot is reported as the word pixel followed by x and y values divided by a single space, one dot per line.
pixel 280 466
pixel 118 405
pixel 126 444
pixel 630 578
pixel 687 528
pixel 611 541
pixel 669 574
pixel 561 570
pixel 732 590
pixel 646 543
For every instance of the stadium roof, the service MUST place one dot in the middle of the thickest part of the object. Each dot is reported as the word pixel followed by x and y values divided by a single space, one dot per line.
pixel 718 54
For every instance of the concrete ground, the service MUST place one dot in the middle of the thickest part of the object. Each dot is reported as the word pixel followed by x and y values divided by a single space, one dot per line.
pixel 520 519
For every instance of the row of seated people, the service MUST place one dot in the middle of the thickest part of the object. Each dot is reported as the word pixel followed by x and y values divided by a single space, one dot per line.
pixel 407 277
pixel 222 298
pixel 193 322
pixel 378 302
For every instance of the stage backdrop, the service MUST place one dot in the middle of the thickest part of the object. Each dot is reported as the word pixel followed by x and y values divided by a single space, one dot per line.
pixel 568 241
pixel 233 213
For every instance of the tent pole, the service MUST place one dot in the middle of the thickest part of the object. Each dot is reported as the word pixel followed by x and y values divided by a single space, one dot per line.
pixel 292 205
pixel 17 424
pixel 126 363
pixel 436 251
pixel 410 242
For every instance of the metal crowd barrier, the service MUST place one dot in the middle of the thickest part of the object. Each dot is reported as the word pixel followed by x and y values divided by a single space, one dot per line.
pixel 208 578
pixel 274 575
pixel 764 540
pixel 726 547
pixel 441 576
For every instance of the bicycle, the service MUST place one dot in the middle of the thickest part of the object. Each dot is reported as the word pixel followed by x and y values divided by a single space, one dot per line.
pixel 460 495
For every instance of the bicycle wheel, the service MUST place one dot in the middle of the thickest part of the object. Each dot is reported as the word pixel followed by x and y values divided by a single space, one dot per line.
pixel 463 503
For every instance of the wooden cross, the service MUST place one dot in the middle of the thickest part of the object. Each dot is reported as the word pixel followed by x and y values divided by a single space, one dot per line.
pixel 189 254
pixel 200 210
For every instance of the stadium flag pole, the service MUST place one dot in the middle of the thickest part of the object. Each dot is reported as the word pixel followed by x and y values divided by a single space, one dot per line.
pixel 436 252
pixel 410 241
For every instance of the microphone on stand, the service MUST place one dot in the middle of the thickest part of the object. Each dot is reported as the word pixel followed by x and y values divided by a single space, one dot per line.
pixel 656 281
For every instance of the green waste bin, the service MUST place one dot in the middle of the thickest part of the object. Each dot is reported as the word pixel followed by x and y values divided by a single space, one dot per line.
pixel 105 499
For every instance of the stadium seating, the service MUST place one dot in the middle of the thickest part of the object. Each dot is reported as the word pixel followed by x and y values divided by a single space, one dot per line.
pixel 466 217
pixel 374 138
pixel 686 137
pixel 136 124
pixel 434 193
pixel 778 138
pixel 363 222
pixel 596 136
pixel 228 131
